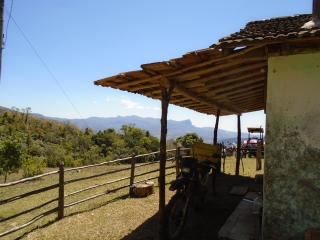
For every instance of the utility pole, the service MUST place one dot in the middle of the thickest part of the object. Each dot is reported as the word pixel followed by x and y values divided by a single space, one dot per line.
pixel 1 32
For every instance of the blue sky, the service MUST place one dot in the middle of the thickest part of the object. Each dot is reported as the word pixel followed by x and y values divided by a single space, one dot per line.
pixel 82 41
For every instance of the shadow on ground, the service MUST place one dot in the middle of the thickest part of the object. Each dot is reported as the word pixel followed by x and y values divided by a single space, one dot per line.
pixel 203 225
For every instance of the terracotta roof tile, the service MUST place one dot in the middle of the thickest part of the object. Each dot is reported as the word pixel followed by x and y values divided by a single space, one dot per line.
pixel 270 30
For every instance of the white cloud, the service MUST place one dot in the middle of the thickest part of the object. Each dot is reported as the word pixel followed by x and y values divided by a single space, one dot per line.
pixel 135 105
pixel 108 99
pixel 131 104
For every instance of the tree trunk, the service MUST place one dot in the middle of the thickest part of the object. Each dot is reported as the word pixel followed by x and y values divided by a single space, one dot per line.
pixel 5 177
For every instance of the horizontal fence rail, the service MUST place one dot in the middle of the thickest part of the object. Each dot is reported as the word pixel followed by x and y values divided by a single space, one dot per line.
pixel 28 179
pixel 61 184
pixel 37 191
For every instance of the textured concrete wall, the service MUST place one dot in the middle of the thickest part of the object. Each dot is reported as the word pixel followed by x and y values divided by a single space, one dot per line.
pixel 292 170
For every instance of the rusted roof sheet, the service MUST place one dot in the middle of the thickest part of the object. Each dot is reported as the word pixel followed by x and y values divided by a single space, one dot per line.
pixel 272 29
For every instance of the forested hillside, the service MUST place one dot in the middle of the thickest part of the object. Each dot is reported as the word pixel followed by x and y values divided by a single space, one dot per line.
pixel 31 143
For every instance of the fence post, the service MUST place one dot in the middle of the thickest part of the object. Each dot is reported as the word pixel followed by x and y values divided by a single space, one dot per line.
pixel 61 192
pixel 177 158
pixel 133 164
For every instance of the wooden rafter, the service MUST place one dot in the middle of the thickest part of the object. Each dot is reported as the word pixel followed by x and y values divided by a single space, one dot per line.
pixel 211 102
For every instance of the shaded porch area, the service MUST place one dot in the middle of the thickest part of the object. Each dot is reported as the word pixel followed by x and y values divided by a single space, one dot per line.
pixel 205 223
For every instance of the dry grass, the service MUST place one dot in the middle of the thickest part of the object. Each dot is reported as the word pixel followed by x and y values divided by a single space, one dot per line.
pixel 113 221
pixel 114 216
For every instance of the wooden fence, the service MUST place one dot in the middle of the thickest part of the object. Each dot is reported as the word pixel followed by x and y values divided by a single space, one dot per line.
pixel 61 206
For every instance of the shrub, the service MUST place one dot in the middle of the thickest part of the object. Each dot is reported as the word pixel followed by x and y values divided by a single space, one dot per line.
pixel 32 166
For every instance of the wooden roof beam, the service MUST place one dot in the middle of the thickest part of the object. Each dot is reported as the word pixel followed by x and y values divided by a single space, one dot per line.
pixel 240 91
pixel 235 101
pixel 239 70
pixel 236 54
pixel 248 101
pixel 198 97
pixel 236 78
pixel 225 88
pixel 218 67
pixel 199 81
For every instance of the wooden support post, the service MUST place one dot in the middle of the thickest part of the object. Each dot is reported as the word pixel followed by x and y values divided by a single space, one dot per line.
pixel 215 132
pixel 259 155
pixel 238 145
pixel 61 192
pixel 166 93
pixel 133 165
pixel 215 141
pixel 177 159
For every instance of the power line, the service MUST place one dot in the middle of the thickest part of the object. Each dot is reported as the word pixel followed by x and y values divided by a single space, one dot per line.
pixel 7 25
pixel 45 65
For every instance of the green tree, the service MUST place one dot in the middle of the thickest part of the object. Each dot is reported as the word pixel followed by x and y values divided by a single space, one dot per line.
pixel 188 139
pixel 11 151
pixel 137 140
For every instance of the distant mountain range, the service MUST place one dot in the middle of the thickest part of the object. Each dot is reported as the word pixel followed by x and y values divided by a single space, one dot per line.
pixel 175 128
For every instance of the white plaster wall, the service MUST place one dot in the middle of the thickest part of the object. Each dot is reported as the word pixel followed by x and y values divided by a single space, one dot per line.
pixel 292 168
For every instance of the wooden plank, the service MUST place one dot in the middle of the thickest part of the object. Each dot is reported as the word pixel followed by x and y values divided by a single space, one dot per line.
pixel 241 84
pixel 223 66
pixel 251 102
pixel 246 96
pixel 246 68
pixel 235 79
pixel 256 87
pixel 242 224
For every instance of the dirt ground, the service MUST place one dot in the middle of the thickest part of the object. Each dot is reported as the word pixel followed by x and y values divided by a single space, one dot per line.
pixel 203 225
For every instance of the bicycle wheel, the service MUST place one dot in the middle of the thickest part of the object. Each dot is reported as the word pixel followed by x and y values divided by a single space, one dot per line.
pixel 176 215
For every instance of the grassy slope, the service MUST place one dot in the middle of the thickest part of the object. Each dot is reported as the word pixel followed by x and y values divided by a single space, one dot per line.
pixel 116 219
pixel 32 201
